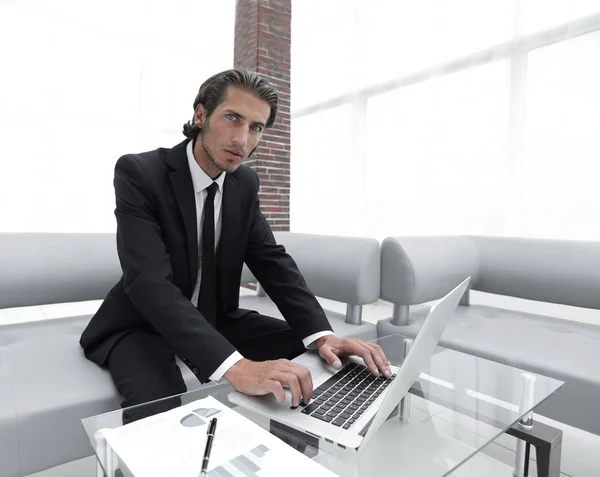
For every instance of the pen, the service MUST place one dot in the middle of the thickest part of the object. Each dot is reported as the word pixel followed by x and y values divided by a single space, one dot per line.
pixel 210 434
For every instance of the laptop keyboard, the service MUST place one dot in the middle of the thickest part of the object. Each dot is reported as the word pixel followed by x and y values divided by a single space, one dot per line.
pixel 345 396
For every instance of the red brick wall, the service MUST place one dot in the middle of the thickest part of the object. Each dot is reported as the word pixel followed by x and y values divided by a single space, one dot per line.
pixel 262 44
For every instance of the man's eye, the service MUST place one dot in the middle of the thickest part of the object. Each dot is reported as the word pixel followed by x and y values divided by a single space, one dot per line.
pixel 231 116
pixel 257 128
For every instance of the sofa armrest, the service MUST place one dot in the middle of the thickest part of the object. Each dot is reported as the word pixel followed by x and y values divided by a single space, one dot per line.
pixel 416 270
pixel 344 269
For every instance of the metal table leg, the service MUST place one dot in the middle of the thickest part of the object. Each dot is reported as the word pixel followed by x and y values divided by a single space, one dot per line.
pixel 405 403
pixel 547 441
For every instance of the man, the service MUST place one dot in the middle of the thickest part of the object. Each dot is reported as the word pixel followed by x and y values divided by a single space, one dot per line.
pixel 187 220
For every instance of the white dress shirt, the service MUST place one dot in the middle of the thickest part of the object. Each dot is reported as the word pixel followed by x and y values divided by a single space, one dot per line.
pixel 201 182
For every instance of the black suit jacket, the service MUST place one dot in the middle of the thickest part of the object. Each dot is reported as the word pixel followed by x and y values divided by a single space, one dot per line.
pixel 157 245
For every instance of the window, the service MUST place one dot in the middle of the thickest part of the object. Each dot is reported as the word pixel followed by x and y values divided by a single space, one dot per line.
pixel 461 117
pixel 560 164
pixel 84 83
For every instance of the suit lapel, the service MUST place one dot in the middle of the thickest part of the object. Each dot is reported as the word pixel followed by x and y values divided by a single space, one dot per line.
pixel 183 188
pixel 229 224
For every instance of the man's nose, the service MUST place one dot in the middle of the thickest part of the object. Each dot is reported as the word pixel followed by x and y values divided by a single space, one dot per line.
pixel 241 137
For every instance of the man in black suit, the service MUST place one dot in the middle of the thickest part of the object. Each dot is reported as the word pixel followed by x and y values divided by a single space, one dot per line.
pixel 187 220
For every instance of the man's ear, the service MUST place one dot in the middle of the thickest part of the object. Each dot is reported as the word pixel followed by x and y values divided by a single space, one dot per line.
pixel 199 115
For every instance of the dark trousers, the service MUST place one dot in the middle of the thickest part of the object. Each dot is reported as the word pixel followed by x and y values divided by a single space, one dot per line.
pixel 143 367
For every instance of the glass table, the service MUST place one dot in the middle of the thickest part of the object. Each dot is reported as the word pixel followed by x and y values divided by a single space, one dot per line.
pixel 459 405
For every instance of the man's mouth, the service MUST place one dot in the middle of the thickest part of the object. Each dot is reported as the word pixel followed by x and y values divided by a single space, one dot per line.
pixel 232 152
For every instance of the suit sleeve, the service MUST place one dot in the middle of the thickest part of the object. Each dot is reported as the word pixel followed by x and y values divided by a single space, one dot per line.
pixel 278 273
pixel 148 275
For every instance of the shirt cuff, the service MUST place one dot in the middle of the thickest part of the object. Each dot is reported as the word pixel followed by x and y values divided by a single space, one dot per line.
pixel 225 365
pixel 309 341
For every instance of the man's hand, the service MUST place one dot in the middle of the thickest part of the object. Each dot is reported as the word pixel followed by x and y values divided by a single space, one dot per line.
pixel 259 378
pixel 331 348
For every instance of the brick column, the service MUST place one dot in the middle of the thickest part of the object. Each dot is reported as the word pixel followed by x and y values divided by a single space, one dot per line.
pixel 262 44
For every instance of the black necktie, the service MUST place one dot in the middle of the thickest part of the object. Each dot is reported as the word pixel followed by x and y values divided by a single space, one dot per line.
pixel 207 299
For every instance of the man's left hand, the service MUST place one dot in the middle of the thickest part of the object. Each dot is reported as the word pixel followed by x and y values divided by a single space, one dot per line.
pixel 331 348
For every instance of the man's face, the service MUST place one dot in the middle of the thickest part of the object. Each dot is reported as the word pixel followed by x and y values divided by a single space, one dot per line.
pixel 231 132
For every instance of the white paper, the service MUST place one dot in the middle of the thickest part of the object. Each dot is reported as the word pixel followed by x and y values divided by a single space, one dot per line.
pixel 172 444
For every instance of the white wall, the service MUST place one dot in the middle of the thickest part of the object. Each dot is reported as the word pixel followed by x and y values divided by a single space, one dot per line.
pixel 85 82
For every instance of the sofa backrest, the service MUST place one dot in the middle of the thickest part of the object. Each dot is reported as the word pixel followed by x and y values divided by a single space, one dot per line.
pixel 345 269
pixel 420 269
pixel 566 272
pixel 416 270
pixel 44 268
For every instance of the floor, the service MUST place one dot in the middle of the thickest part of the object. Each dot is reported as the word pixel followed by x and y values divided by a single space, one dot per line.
pixel 580 454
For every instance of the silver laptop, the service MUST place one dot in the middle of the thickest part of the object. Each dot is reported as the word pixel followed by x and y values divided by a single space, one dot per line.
pixel 348 406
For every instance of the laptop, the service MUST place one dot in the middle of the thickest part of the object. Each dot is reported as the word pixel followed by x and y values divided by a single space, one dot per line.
pixel 349 405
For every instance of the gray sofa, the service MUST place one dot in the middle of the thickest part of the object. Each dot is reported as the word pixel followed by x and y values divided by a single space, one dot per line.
pixel 417 270
pixel 47 385
pixel 343 269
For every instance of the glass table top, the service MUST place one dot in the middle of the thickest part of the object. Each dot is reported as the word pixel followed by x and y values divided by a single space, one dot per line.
pixel 459 405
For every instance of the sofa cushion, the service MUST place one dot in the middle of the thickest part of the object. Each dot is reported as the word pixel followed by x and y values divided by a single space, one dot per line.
pixel 9 437
pixel 565 350
pixel 546 345
pixel 54 387
pixel 264 306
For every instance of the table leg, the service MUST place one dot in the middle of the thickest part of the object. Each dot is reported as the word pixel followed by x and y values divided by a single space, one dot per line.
pixel 100 452
pixel 99 469
pixel 527 458
pixel 405 403
pixel 526 422
pixel 104 455
pixel 547 441
pixel 548 459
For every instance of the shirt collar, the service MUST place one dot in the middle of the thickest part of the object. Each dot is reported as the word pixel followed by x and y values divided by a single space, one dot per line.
pixel 199 178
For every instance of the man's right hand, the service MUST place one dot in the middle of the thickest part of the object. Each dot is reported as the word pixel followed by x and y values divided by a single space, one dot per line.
pixel 259 378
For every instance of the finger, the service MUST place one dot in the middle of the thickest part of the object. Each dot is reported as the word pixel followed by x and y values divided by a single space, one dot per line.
pixel 379 359
pixel 359 348
pixel 384 357
pixel 330 356
pixel 291 381
pixel 303 375
pixel 305 381
pixel 276 389
pixel 381 353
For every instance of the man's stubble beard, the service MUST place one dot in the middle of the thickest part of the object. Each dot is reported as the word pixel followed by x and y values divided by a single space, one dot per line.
pixel 204 132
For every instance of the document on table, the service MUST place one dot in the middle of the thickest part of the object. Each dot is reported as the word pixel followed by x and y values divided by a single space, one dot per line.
pixel 172 443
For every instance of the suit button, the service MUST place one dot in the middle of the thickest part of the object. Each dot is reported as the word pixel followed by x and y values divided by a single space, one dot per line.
pixel 195 370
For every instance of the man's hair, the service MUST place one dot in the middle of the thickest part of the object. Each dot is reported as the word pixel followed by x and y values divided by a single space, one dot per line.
pixel 212 93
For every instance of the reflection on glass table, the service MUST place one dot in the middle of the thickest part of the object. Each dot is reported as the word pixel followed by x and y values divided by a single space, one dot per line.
pixel 459 405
